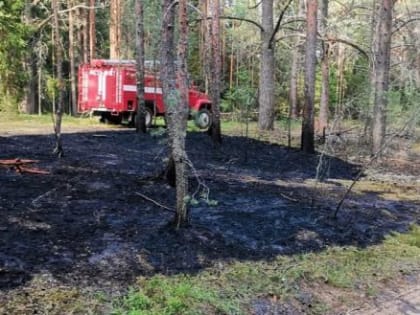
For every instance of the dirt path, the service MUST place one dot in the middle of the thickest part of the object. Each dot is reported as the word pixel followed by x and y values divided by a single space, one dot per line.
pixel 405 301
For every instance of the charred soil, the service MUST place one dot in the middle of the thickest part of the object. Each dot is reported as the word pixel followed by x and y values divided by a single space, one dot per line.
pixel 85 225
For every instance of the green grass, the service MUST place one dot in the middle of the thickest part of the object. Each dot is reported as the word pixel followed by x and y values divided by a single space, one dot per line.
pixel 46 119
pixel 231 289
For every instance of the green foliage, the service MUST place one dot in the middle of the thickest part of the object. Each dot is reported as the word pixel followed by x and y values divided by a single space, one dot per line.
pixel 13 42
pixel 168 296
pixel 8 103
pixel 412 238
pixel 357 88
pixel 240 99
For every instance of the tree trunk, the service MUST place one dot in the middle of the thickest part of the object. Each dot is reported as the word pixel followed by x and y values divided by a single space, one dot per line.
pixel 92 30
pixel 141 114
pixel 58 150
pixel 115 29
pixel 28 105
pixel 85 33
pixel 325 71
pixel 176 101
pixel 266 84
pixel 73 92
pixel 382 56
pixel 215 73
pixel 294 75
pixel 296 69
pixel 308 140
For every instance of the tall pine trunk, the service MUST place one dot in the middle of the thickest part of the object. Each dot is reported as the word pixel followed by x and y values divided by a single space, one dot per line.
pixel 215 72
pixel 140 120
pixel 308 140
pixel 73 92
pixel 382 57
pixel 92 30
pixel 58 150
pixel 115 29
pixel 176 101
pixel 325 70
pixel 295 69
pixel 266 84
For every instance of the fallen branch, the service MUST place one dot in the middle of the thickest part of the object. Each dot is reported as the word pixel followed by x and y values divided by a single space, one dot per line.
pixel 288 198
pixel 16 162
pixel 31 170
pixel 155 202
pixel 20 166
pixel 36 201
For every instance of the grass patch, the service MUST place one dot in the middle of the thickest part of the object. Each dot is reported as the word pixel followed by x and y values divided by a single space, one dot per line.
pixel 387 190
pixel 57 300
pixel 46 119
pixel 231 290
pixel 171 295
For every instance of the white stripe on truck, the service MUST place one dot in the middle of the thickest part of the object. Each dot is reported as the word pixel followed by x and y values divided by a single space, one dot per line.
pixel 147 89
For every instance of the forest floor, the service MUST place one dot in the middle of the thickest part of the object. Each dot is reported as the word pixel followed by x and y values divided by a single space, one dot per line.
pixel 75 239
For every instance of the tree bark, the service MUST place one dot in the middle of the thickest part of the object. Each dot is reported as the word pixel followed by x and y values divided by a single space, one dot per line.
pixel 73 92
pixel 295 70
pixel 215 73
pixel 382 57
pixel 307 142
pixel 58 150
pixel 85 33
pixel 325 71
pixel 30 100
pixel 92 30
pixel 176 100
pixel 141 114
pixel 115 29
pixel 266 83
pixel 294 75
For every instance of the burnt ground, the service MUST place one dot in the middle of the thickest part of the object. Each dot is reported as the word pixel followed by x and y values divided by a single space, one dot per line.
pixel 85 225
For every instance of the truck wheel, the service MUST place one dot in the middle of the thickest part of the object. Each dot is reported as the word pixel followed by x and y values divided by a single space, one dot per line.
pixel 203 119
pixel 149 117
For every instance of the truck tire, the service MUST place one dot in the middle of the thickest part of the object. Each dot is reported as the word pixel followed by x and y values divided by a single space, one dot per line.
pixel 203 119
pixel 149 117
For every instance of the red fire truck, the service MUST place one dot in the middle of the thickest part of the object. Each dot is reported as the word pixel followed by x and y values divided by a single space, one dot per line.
pixel 107 88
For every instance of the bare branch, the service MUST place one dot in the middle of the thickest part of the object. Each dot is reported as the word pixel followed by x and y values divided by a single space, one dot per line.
pixel 276 29
pixel 404 24
pixel 155 202
pixel 232 18
pixel 79 6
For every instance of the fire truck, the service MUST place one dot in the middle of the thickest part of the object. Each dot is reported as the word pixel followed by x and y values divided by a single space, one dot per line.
pixel 107 88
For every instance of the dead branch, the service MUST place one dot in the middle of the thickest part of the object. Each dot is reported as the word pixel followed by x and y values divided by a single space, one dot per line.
pixel 31 170
pixel 35 202
pixel 276 29
pixel 155 202
pixel 20 166
pixel 288 198
pixel 16 162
